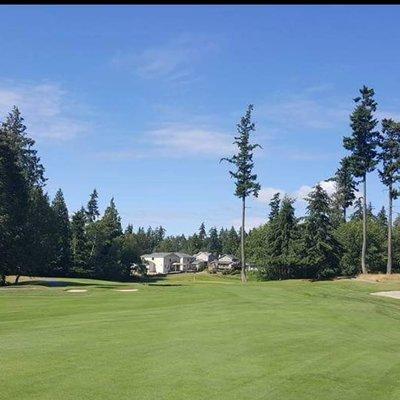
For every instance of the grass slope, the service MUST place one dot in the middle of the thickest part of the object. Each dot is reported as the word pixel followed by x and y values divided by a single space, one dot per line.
pixel 200 337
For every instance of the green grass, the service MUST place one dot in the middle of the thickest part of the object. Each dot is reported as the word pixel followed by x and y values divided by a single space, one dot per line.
pixel 200 337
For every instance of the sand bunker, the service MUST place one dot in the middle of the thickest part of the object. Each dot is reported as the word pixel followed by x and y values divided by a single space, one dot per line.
pixel 394 294
pixel 76 290
pixel 126 290
pixel 373 278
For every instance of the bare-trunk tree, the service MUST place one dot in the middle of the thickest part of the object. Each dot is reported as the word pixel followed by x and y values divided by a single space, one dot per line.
pixel 389 250
pixel 364 242
pixel 243 258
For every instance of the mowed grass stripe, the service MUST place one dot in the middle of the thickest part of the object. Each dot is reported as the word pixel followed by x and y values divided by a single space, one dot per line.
pixel 274 340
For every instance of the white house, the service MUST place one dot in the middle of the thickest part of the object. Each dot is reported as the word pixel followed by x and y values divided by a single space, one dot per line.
pixel 185 261
pixel 226 261
pixel 161 263
pixel 204 256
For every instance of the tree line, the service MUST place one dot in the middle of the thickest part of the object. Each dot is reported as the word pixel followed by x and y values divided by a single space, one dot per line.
pixel 38 237
pixel 325 243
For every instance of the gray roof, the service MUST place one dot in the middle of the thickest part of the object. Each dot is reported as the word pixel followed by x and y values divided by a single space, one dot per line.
pixel 203 252
pixel 158 255
pixel 230 256
pixel 183 255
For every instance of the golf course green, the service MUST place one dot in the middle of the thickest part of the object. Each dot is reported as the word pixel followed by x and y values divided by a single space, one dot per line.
pixel 199 337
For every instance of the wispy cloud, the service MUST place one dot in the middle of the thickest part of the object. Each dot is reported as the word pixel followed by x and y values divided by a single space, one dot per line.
pixel 300 194
pixel 304 112
pixel 181 139
pixel 176 140
pixel 48 110
pixel 174 61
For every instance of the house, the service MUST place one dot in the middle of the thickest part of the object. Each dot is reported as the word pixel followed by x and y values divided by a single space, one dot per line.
pixel 204 256
pixel 185 261
pixel 225 262
pixel 161 263
pixel 202 260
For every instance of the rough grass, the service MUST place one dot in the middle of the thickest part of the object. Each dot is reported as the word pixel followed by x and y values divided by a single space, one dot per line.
pixel 200 337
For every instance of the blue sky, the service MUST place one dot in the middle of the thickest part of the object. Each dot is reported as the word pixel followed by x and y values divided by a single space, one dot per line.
pixel 141 102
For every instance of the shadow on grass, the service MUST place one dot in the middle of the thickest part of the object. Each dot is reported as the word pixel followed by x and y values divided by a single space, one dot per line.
pixel 165 284
pixel 51 283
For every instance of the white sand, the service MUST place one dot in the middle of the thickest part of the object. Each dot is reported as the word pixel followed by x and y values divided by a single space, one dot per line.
pixel 394 294
pixel 76 290
pixel 126 290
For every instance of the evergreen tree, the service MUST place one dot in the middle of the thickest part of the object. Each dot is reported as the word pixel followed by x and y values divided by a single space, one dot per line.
pixel 214 244
pixel 322 247
pixel 79 243
pixel 202 233
pixel 396 222
pixel 129 229
pixel 362 144
pixel 62 261
pixel 382 218
pixel 92 212
pixel 14 129
pixel 112 221
pixel 25 166
pixel 390 172
pixel 159 235
pixel 345 186
pixel 282 230
pixel 41 249
pixel 274 205
pixel 245 179
pixel 105 261
pixel 230 241
pixel 14 199
pixel 358 210
pixel 193 244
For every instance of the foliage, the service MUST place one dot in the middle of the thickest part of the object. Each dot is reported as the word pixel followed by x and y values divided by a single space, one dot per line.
pixel 349 236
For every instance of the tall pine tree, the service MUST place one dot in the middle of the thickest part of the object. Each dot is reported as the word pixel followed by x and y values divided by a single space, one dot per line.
pixel 245 179
pixel 362 143
pixel 62 232
pixel 14 201
pixel 345 186
pixel 390 173
pixel 214 244
pixel 92 211
pixel 79 243
pixel 321 245
pixel 274 205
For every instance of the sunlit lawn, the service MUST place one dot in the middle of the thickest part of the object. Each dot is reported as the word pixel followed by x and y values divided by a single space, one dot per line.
pixel 200 337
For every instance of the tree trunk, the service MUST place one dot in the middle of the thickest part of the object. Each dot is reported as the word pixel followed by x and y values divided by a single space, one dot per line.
pixel 344 214
pixel 17 279
pixel 364 242
pixel 389 250
pixel 2 280
pixel 243 270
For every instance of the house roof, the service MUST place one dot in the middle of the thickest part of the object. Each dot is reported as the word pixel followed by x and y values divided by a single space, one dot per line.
pixel 228 256
pixel 158 255
pixel 183 255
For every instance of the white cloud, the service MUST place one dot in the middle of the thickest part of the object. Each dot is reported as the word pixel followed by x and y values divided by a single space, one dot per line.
pixel 304 113
pixel 187 140
pixel 251 222
pixel 47 109
pixel 176 140
pixel 173 61
pixel 266 193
